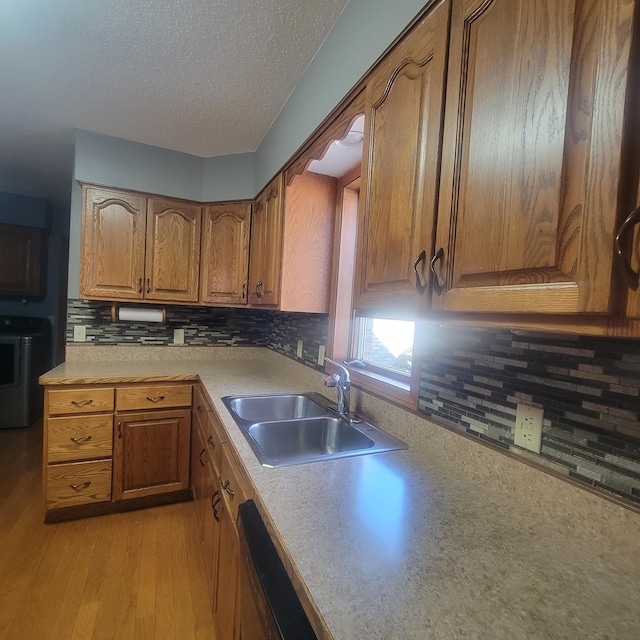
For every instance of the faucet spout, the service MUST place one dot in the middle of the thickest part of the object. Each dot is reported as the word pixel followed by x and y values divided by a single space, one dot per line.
pixel 342 382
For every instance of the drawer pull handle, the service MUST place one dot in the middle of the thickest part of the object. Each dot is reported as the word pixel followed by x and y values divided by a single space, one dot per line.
pixel 211 441
pixel 200 409
pixel 226 487
pixel 420 288
pixel 81 486
pixel 200 457
pixel 155 398
pixel 81 403
pixel 80 440
pixel 437 287
pixel 215 500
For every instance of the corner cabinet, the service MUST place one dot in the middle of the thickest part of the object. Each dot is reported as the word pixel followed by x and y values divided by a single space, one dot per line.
pixel 266 246
pixel 225 253
pixel 532 156
pixel 138 248
pixel 403 112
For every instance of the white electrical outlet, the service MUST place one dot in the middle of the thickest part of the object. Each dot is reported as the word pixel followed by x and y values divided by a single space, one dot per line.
pixel 529 427
pixel 299 350
pixel 79 333
pixel 178 336
pixel 321 355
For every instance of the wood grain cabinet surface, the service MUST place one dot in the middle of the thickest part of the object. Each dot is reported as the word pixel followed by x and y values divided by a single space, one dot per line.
pixel 138 248
pixel 265 255
pixel 23 253
pixel 225 253
pixel 403 107
pixel 529 189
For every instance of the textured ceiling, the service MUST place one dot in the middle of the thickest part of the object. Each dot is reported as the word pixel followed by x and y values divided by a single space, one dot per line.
pixel 205 77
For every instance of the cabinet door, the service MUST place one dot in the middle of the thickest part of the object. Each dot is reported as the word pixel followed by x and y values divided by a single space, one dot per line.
pixel 173 251
pixel 227 610
pixel 531 155
pixel 225 253
pixel 151 453
pixel 266 246
pixel 22 254
pixel 112 248
pixel 400 167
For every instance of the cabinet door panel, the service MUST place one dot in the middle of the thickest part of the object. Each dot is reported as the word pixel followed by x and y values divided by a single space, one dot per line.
pixel 173 251
pixel 401 153
pixel 152 453
pixel 532 130
pixel 22 256
pixel 225 254
pixel 266 246
pixel 112 255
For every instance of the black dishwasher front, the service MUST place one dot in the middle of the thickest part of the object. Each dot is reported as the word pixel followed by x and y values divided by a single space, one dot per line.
pixel 270 607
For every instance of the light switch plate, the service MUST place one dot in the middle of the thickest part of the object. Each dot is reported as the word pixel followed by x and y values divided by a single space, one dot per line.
pixel 321 354
pixel 299 350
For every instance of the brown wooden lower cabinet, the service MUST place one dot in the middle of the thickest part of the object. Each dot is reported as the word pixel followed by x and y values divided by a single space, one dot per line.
pixel 227 603
pixel 151 449
pixel 107 445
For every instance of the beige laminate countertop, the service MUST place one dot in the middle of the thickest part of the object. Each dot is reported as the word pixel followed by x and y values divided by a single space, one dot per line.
pixel 448 539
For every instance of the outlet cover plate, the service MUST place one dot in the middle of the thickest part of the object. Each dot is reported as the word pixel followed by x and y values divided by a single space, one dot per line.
pixel 528 434
pixel 178 336
pixel 321 350
pixel 79 333
pixel 299 350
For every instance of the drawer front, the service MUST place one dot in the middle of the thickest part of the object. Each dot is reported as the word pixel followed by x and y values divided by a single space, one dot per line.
pixel 153 397
pixel 78 483
pixel 82 400
pixel 79 438
pixel 206 419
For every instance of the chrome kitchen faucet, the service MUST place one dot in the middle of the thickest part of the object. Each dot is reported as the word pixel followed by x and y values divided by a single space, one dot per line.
pixel 342 382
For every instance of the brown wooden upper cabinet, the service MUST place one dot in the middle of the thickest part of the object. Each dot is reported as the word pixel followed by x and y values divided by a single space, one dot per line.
pixel 532 153
pixel 403 112
pixel 266 246
pixel 138 248
pixel 23 252
pixel 225 253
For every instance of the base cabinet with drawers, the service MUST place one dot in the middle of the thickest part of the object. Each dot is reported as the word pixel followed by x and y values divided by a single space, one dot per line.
pixel 104 445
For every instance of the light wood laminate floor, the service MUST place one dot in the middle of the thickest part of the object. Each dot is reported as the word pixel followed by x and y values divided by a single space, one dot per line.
pixel 133 575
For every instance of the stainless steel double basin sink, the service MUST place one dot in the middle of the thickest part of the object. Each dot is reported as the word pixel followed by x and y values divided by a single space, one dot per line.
pixel 288 429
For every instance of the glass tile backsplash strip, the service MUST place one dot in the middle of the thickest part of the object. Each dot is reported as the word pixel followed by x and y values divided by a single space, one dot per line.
pixel 472 379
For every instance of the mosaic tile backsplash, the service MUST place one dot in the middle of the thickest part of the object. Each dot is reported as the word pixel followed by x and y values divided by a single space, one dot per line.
pixel 471 380
pixel 205 326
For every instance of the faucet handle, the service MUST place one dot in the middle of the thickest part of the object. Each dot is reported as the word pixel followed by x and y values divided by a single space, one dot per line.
pixel 344 372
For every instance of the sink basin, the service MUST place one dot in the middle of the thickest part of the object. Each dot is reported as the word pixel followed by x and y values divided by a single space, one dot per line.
pixel 307 439
pixel 288 429
pixel 280 407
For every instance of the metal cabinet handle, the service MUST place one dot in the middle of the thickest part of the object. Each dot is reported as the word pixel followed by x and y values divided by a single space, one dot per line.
pixel 244 290
pixel 80 440
pixel 81 403
pixel 258 287
pixel 420 288
pixel 215 501
pixel 200 457
pixel 211 441
pixel 139 285
pixel 630 276
pixel 226 487
pixel 119 429
pixel 437 287
pixel 81 486
pixel 155 398
pixel 148 286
